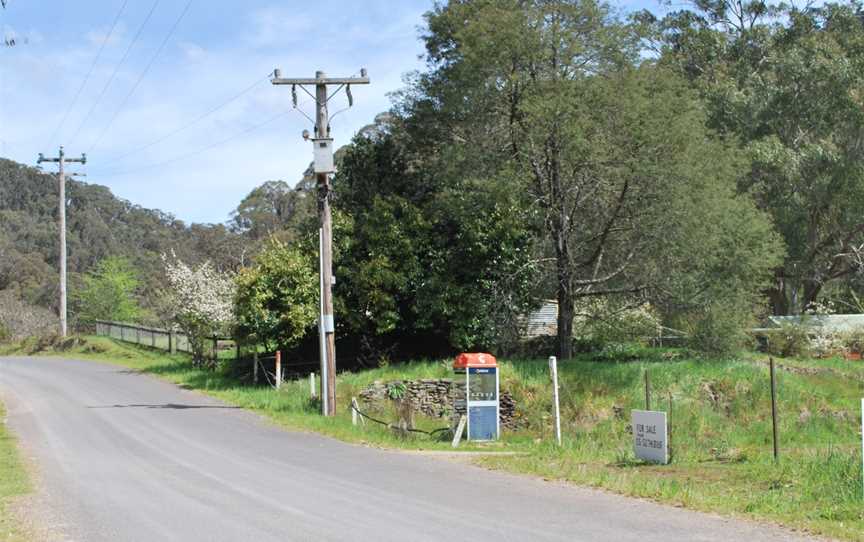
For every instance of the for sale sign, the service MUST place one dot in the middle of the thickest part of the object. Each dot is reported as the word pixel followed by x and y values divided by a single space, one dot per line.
pixel 650 436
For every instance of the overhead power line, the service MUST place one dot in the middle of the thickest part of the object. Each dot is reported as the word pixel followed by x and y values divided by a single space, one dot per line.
pixel 188 125
pixel 196 152
pixel 116 69
pixel 89 73
pixel 143 74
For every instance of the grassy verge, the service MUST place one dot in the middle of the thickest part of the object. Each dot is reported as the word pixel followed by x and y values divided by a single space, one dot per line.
pixel 13 483
pixel 720 427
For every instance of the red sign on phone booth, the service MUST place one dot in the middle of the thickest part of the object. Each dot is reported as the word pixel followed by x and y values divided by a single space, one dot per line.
pixel 464 361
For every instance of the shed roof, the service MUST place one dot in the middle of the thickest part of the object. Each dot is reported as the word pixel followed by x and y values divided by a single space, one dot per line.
pixel 832 322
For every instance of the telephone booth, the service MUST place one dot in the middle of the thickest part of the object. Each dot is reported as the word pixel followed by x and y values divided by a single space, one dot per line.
pixel 481 394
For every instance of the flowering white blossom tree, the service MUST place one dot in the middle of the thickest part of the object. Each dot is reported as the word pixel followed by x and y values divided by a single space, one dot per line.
pixel 202 302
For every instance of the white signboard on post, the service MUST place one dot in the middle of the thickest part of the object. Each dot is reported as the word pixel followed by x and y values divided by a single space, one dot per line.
pixel 650 436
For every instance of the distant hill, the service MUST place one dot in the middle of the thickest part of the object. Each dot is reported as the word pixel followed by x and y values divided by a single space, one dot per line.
pixel 99 224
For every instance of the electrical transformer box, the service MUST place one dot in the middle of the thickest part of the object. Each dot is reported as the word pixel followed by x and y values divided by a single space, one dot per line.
pixel 323 153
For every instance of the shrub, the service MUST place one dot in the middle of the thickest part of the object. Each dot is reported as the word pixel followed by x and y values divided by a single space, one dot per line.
pixel 201 302
pixel 108 293
pixel 20 320
pixel 720 328
pixel 276 300
pixel 600 321
pixel 853 341
pixel 789 340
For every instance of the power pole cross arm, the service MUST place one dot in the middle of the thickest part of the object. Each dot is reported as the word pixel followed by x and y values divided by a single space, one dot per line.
pixel 279 80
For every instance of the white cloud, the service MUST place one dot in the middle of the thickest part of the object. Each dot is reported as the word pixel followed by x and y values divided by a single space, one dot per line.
pixel 192 51
pixel 96 37
pixel 201 68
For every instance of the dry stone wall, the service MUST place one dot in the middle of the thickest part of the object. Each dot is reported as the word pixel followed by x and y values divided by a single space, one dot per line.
pixel 437 398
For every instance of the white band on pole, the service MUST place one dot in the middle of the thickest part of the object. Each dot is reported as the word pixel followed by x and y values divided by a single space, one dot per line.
pixel 329 326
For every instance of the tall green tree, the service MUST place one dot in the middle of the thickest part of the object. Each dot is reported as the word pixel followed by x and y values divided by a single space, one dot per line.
pixel 108 292
pixel 606 146
pixel 270 208
pixel 276 301
pixel 789 83
pixel 430 260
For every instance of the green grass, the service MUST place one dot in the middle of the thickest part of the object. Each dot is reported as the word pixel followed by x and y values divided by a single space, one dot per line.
pixel 720 426
pixel 13 484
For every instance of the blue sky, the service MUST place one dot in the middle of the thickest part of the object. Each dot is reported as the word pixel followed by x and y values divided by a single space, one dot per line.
pixel 218 50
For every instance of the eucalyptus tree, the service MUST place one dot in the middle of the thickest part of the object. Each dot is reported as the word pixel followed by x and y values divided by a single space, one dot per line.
pixel 611 150
pixel 789 84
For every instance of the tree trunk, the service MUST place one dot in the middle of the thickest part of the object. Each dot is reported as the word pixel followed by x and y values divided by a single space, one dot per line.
pixel 777 294
pixel 812 289
pixel 565 324
pixel 565 295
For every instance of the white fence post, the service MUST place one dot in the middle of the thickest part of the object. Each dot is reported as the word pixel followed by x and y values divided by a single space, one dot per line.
pixel 553 368
pixel 278 369
pixel 460 428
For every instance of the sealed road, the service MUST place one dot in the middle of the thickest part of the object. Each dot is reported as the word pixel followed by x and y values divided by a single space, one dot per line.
pixel 125 457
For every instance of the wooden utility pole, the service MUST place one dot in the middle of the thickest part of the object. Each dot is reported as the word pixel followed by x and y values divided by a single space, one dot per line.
pixel 61 181
pixel 323 166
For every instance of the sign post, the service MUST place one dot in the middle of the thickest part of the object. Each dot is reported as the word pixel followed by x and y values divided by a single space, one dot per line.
pixel 651 436
pixel 553 369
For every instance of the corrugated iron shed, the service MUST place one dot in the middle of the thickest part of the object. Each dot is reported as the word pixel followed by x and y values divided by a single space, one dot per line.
pixel 831 322
pixel 541 323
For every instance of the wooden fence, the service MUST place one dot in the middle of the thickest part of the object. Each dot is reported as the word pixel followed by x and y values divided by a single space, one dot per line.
pixel 162 339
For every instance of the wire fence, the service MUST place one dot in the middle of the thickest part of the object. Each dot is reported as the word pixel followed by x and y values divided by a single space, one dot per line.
pixel 248 363
pixel 160 339
pixel 261 368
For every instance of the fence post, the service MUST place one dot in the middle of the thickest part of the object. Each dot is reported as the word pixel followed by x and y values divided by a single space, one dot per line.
pixel 774 408
pixel 553 368
pixel 255 365
pixel 312 385
pixel 123 333
pixel 669 427
pixel 215 348
pixel 278 369
pixel 152 338
pixel 647 391
pixel 460 428
pixel 172 342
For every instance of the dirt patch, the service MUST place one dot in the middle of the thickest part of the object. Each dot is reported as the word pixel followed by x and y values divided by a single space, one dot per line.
pixel 715 395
